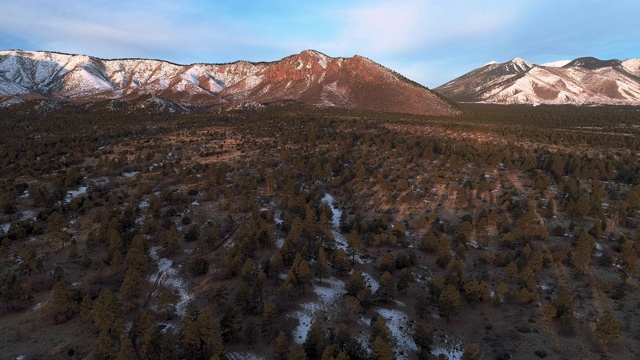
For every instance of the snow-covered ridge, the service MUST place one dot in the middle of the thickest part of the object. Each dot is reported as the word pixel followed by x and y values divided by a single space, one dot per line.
pixel 559 63
pixel 310 77
pixel 583 81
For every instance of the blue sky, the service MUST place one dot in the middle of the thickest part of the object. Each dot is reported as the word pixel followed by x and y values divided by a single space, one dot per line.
pixel 429 41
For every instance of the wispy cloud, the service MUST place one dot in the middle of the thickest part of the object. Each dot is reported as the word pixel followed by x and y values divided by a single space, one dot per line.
pixel 408 26
pixel 430 41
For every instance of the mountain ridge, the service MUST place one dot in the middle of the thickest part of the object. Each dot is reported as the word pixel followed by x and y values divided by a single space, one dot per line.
pixel 582 81
pixel 310 77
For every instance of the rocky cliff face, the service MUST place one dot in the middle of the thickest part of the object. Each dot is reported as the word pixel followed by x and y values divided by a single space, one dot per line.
pixel 310 77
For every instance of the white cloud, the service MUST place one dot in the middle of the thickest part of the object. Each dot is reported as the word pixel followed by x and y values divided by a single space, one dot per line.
pixel 411 25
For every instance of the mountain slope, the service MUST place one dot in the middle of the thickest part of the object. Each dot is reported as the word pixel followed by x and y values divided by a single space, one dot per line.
pixel 310 77
pixel 582 81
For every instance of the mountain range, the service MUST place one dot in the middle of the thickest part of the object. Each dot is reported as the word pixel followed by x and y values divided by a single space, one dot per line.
pixel 309 77
pixel 312 78
pixel 583 81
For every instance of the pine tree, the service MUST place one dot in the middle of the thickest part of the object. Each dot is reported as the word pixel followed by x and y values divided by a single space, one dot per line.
pixel 231 323
pixel 276 264
pixel 355 283
pixel 628 260
pixel 280 347
pixel 130 289
pixel 449 303
pixel 103 349
pixel 321 266
pixel 316 341
pixel 299 353
pixel 137 256
pixel 171 241
pixel 387 289
pixel 380 350
pixel 107 313
pixel 354 245
pixel 608 328
pixel 472 352
pixel 303 274
pixel 127 351
pixel 423 337
pixel 211 344
pixel 422 306
pixel 404 279
pixel 189 334
pixel 341 261
pixel 379 329
pixel 64 301
pixel 269 317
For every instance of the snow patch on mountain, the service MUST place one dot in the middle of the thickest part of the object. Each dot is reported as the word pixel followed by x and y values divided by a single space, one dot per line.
pixel 559 63
pixel 584 81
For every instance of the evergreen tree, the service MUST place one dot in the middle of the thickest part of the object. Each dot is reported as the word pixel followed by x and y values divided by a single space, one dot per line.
pixel 211 343
pixel 269 317
pixel 280 347
pixel 379 329
pixel 423 337
pixel 130 289
pixel 65 301
pixel 341 261
pixel 299 353
pixel 107 313
pixel 354 245
pixel 321 266
pixel 380 350
pixel 628 260
pixel 316 341
pixel 355 284
pixel 608 328
pixel 404 279
pixel 472 352
pixel 449 303
pixel 127 351
pixel 387 289
pixel 422 306
pixel 103 349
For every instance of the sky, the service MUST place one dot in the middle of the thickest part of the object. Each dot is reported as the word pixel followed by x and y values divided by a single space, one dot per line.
pixel 428 41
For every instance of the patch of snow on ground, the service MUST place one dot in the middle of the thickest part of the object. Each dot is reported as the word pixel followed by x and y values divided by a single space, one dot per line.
pixel 278 218
pixel 28 214
pixel 599 248
pixel 329 292
pixel 452 351
pixel 304 324
pixel 397 321
pixel 341 241
pixel 6 227
pixel 38 306
pixel 130 174
pixel 75 193
pixel 244 356
pixel 168 276
pixel 399 303
pixel 373 283
pixel 279 242
pixel 21 357
pixel 544 287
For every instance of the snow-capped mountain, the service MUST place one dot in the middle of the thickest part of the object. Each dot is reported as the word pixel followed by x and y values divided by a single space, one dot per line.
pixel 583 81
pixel 310 77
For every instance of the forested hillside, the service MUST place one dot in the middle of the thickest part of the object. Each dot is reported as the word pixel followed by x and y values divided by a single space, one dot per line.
pixel 295 232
